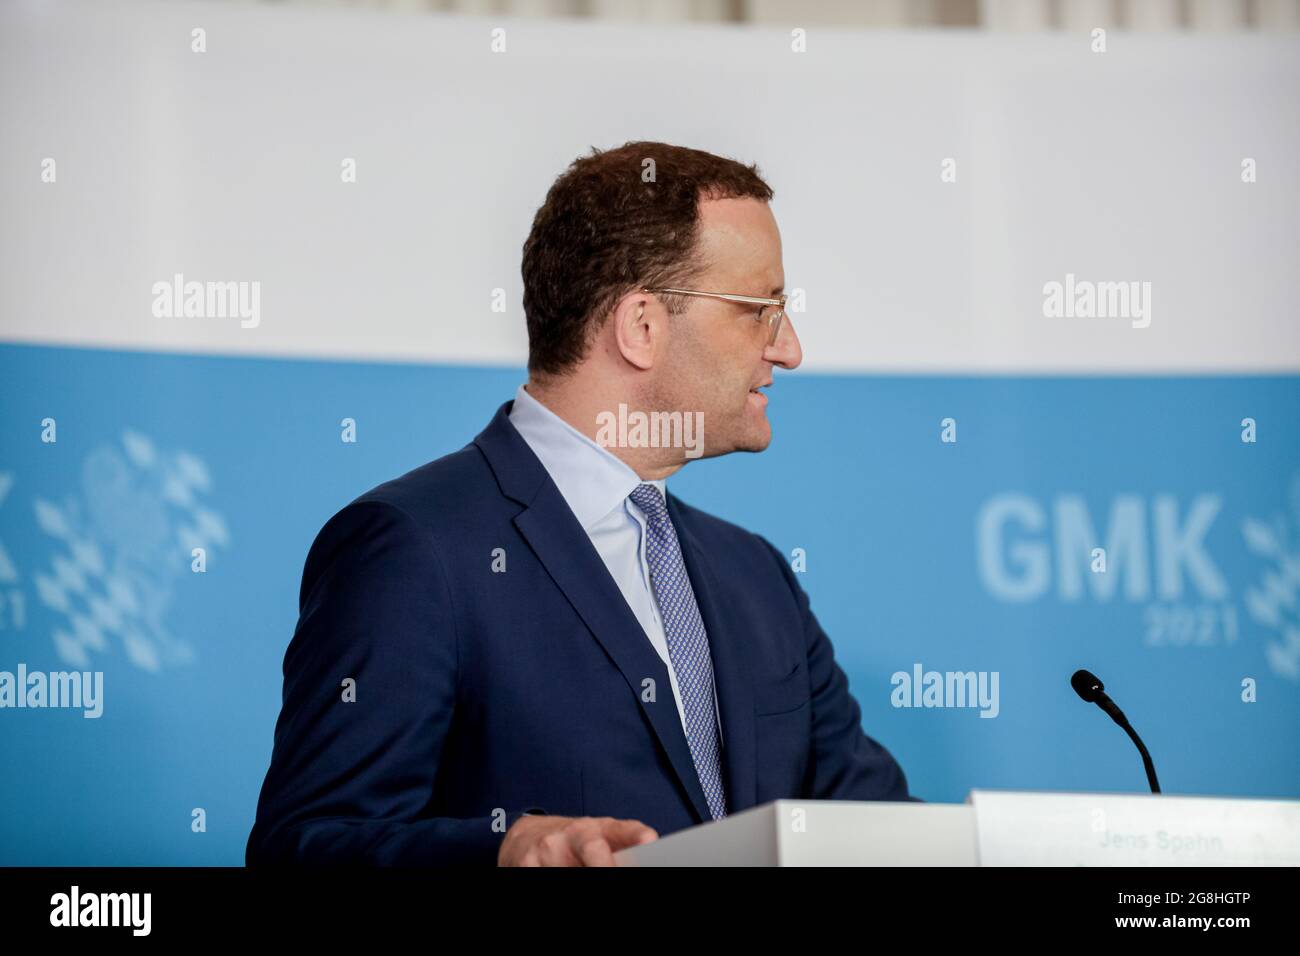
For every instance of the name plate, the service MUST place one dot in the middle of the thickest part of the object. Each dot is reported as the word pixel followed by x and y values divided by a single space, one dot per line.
pixel 1015 828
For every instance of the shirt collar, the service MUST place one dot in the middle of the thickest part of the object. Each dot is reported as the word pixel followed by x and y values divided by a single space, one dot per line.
pixel 591 480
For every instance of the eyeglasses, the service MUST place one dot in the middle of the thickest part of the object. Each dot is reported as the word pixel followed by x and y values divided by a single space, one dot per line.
pixel 770 315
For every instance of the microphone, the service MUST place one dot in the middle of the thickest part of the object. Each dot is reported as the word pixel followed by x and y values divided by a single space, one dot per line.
pixel 1088 686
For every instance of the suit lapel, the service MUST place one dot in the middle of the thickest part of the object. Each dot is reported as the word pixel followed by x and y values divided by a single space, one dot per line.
pixel 575 566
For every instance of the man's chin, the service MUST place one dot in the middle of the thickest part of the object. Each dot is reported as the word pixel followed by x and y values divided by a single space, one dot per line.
pixel 756 438
pixel 747 432
pixel 751 441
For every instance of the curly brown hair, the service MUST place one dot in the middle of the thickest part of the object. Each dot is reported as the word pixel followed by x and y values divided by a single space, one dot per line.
pixel 613 222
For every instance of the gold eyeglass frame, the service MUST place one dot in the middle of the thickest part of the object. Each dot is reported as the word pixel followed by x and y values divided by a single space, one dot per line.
pixel 774 322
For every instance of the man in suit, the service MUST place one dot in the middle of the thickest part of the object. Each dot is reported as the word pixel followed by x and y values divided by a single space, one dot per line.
pixel 528 652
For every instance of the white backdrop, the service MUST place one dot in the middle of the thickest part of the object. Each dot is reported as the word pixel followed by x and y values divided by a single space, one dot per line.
pixel 225 166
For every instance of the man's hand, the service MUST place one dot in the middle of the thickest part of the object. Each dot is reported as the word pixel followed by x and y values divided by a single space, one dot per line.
pixel 570 841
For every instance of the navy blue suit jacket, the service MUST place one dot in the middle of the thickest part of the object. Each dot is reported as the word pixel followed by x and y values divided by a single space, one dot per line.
pixel 480 694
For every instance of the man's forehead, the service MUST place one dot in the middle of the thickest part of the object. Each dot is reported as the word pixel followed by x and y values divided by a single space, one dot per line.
pixel 740 214
pixel 739 235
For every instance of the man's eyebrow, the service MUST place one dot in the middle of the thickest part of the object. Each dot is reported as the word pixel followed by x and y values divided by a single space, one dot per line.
pixel 778 290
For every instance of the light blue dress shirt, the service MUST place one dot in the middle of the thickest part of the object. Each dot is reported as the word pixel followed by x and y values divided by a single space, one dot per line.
pixel 596 485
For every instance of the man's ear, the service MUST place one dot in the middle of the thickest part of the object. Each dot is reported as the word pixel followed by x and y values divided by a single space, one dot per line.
pixel 637 320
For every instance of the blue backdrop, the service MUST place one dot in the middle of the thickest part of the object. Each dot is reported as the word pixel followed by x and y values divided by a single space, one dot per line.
pixel 971 555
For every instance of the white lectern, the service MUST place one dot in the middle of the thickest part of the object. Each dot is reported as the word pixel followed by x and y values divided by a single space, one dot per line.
pixel 993 828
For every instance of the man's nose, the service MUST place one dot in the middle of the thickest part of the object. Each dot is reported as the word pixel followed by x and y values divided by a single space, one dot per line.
pixel 785 351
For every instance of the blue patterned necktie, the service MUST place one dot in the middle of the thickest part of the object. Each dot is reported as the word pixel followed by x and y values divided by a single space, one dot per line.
pixel 688 644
